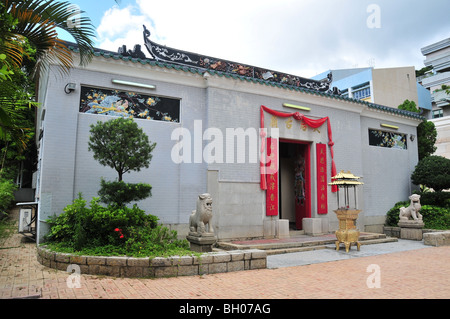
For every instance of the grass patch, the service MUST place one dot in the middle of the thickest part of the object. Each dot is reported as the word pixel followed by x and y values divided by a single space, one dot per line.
pixel 7 228
pixel 112 250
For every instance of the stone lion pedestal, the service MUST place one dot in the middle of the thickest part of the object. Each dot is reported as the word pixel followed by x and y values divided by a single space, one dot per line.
pixel 201 235
pixel 201 244
pixel 411 229
pixel 410 220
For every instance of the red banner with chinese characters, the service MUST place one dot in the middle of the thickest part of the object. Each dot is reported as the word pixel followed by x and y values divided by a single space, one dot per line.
pixel 313 123
pixel 272 177
pixel 322 202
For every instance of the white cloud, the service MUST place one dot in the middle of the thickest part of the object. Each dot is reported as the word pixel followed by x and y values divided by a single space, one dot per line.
pixel 300 37
pixel 121 27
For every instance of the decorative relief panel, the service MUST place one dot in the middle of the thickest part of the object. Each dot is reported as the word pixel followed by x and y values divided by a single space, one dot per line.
pixel 388 139
pixel 128 104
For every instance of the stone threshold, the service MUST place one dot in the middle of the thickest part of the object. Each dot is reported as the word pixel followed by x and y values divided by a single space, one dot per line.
pixel 157 267
pixel 295 244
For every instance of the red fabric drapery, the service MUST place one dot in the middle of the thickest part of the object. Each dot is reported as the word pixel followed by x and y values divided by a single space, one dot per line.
pixel 314 123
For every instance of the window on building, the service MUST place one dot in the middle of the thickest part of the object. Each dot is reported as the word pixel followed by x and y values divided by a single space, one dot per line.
pixel 361 93
pixel 438 113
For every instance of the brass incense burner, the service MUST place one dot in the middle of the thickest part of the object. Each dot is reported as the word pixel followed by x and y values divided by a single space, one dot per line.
pixel 347 232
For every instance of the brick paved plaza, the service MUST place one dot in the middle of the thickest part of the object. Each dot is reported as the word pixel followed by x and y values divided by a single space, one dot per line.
pixel 417 274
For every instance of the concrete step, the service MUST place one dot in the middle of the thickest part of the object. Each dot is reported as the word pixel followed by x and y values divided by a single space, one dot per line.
pixel 369 242
pixel 379 241
pixel 293 250
pixel 300 243
pixel 296 233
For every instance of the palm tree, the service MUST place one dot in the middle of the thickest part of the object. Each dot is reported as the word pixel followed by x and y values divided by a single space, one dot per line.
pixel 35 22
pixel 29 44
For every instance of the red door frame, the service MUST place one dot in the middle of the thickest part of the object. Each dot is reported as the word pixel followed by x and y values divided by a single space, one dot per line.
pixel 298 216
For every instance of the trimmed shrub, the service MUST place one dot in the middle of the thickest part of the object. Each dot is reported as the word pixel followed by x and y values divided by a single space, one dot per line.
pixel 434 217
pixel 111 230
pixel 433 172
pixel 120 193
pixel 392 216
pixel 80 226
pixel 441 199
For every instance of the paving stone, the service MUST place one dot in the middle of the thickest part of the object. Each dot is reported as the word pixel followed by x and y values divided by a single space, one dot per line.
pixel 236 255
pixel 221 257
pixel 22 275
pixel 65 258
pixel 138 262
pixel 160 261
pixel 116 261
pixel 203 259
pixel 215 268
pixel 94 260
pixel 79 260
pixel 170 271
pixel 182 260
pixel 236 265
pixel 188 270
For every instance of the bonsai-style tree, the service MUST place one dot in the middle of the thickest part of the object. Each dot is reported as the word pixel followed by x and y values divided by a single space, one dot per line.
pixel 434 172
pixel 123 146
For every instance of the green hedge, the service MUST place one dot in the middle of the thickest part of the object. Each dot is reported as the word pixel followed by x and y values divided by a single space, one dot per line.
pixel 434 216
pixel 441 199
pixel 392 216
pixel 111 230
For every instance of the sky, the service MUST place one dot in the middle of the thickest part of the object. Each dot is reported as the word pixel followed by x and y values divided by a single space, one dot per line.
pixel 300 37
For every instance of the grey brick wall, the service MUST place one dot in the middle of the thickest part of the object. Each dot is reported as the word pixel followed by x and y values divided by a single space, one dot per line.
pixel 67 167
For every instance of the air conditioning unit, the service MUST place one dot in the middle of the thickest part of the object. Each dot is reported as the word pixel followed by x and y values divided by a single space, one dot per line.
pixel 25 220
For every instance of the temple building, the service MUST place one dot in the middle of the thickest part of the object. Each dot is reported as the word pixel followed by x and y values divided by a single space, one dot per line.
pixel 264 144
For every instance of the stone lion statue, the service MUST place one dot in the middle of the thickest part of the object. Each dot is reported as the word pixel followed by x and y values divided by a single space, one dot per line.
pixel 201 217
pixel 412 210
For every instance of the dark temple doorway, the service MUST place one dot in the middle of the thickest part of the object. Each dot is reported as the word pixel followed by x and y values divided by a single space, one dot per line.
pixel 294 184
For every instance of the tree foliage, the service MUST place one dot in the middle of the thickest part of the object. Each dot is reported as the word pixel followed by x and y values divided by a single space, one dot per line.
pixel 426 131
pixel 426 139
pixel 36 22
pixel 121 145
pixel 120 193
pixel 28 45
pixel 408 105
pixel 433 172
pixel 80 226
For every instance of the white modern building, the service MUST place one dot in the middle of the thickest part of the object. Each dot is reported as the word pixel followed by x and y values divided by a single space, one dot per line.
pixel 385 86
pixel 437 81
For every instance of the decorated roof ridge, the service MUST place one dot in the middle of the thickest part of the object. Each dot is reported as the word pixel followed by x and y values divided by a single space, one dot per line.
pixel 133 56
pixel 185 58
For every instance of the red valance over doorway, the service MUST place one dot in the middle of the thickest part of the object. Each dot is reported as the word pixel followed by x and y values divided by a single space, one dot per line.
pixel 313 123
